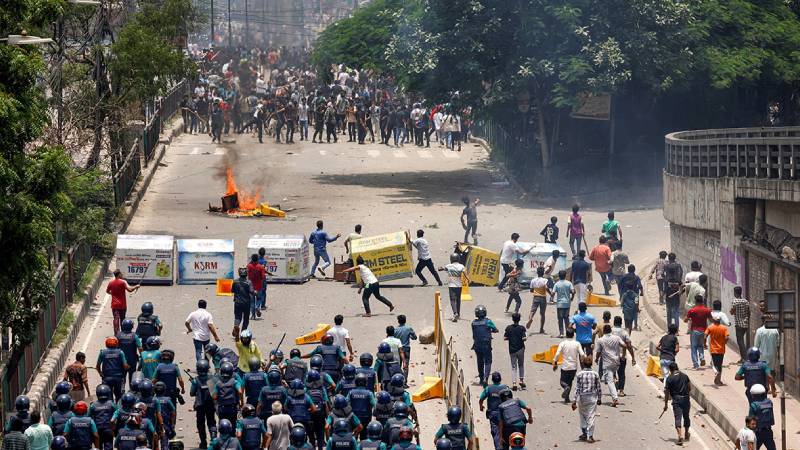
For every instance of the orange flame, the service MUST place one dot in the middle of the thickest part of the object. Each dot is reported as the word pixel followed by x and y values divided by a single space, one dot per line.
pixel 247 200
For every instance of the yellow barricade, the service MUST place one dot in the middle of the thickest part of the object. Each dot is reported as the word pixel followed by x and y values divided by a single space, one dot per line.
pixel 654 367
pixel 465 294
pixel 313 337
pixel 433 388
pixel 601 300
pixel 547 356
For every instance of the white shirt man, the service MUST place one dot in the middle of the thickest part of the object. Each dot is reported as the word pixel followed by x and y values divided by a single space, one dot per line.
pixel 279 425
pixel 423 252
pixel 510 248
pixel 200 323
pixel 341 336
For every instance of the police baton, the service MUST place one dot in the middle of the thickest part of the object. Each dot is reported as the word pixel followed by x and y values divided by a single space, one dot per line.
pixel 279 344
pixel 191 378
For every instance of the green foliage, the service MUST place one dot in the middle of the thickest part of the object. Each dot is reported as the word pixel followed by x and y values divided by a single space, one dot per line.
pixel 360 40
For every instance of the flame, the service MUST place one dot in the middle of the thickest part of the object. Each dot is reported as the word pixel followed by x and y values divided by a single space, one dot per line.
pixel 247 200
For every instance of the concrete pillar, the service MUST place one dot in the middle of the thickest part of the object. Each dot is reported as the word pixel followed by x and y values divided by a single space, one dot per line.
pixel 761 217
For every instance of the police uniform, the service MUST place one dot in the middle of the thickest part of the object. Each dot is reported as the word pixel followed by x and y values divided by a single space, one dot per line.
pixel 391 431
pixel 148 362
pixel 385 369
pixel 513 419
pixel 344 441
pixel 458 434
pixel 316 432
pixel 130 344
pixel 168 373
pixel 253 383
pixel 297 407
pixel 226 443
pixel 80 431
pixel 252 432
pixel 203 407
pixel 331 360
pixel 146 326
pixel 58 420
pixel 763 411
pixel 126 438
pixel 492 394
pixel 754 373
pixel 168 415
pixel 362 403
pixel 345 386
pixel 372 377
pixel 294 368
pixel 102 411
pixel 112 363
pixel 227 399
pixel 482 330
pixel 270 394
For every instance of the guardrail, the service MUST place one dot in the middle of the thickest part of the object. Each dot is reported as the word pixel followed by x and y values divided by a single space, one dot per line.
pixel 456 391
pixel 518 152
pixel 767 153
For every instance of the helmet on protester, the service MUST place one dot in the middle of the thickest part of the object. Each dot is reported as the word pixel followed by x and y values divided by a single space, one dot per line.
pixel 112 342
pixel 398 380
pixel 754 354
pixel 298 435
pixel 212 349
pixel 454 414
pixel 365 359
pixel 81 408
pixel 127 325
pixel 374 430
pixel 248 410
pixel 103 392
pixel 454 257
pixel 444 444
pixel 517 439
pixel 327 339
pixel 316 362
pixel 64 402
pixel 147 308
pixel 254 364
pixel 63 387
pixel 480 311
pixel 146 388
pixel 202 367
pixel 160 388
pixel 757 389
pixel 348 371
pixel 225 427
pixel 246 336
pixel 153 343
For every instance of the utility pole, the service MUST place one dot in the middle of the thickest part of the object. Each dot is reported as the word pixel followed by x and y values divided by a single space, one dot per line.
pixel 230 35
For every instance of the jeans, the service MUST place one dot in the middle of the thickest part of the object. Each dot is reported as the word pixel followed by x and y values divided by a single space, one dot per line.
pixel 351 131
pixel 423 263
pixel 455 300
pixel 575 244
pixel 562 316
pixel 514 296
pixel 623 363
pixel 743 340
pixel 674 311
pixel 374 288
pixel 303 130
pixel 608 379
pixel 106 436
pixel 605 278
pixel 664 363
pixel 199 349
pixel 396 136
pixel 119 316
pixel 507 268
pixel 471 227
pixel 241 315
pixel 290 131
pixel 697 340
pixel 567 376
pixel 494 420
pixel 317 255
pixel 483 356
pixel 518 365
pixel 680 410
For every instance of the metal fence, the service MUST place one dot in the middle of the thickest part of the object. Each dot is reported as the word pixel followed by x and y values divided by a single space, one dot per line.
pixel 23 363
pixel 126 173
pixel 456 391
pixel 517 151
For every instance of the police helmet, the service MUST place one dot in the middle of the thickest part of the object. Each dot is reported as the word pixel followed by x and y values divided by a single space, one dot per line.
pixel 480 311
pixel 146 388
pixel 274 377
pixel 103 392
pixel 406 434
pixel 400 410
pixel 517 439
pixel 64 402
pixel 167 355
pixel 224 361
pixel 135 384
pixel 242 271
pixel 254 364
pixel 202 366
pixel 384 347
pixel 59 443
pixel 248 410
pixel 506 394
pixel 63 387
pixel 298 435
pixel 361 380
pixel 81 408
pixel 454 257
pixel 444 444
pixel 127 325
pixel 278 354
pixel 754 354
pixel 384 397
pixel 154 343
pixel 225 427
pixel 212 349
pixel 327 339
pixel 339 402
pixel 313 375
pixel 112 342
pixel 365 359
pixel 128 400
pixel 374 430
pixel 757 389
pixel 454 414
pixel 398 380
pixel 496 377
pixel 348 371
pixel 147 308
pixel 226 370
pixel 316 362
pixel 160 388
pixel 22 403
pixel 295 353
pixel 341 427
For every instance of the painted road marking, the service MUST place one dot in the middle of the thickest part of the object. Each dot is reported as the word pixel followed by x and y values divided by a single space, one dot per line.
pixel 323 152
pixel 219 151
pixel 195 151
pixel 106 298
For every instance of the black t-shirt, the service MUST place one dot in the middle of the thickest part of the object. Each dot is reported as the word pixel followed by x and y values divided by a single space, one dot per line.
pixel 516 338
pixel 673 272
pixel 668 344
pixel 678 385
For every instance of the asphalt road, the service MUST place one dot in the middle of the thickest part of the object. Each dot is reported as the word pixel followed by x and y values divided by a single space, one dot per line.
pixel 384 189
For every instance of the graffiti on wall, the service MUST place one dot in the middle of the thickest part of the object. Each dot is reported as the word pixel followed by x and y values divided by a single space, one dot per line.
pixel 731 266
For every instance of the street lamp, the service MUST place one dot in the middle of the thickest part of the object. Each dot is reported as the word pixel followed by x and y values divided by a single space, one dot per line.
pixel 24 39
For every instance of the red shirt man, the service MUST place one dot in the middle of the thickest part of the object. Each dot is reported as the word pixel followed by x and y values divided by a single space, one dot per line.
pixel 698 316
pixel 256 273
pixel 118 289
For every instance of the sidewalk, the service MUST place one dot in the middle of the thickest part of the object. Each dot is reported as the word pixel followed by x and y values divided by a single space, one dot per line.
pixel 726 404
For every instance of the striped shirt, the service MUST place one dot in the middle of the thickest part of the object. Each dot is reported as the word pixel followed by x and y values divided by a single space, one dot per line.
pixel 587 383
pixel 15 441
pixel 741 312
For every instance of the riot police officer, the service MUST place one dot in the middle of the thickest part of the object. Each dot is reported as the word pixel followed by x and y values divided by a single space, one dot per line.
pixel 342 437
pixel 150 358
pixel 170 374
pixel 62 387
pixel 362 401
pixel 147 396
pixel 271 393
pixel 59 417
pixel 341 410
pixel 130 344
pixel 455 431
pixel 365 361
pixel 294 367
pixel 122 415
pixel 22 406
pixel 761 409
pixel 386 366
pixel 299 405
pixel 102 411
pixel 384 407
pixel 298 439
pixel 491 394
pixel 316 364
pixel 168 412
pixel 217 354
pixel 372 441
pixel 201 390
pixel 512 417
pixel 112 366
pixel 129 431
pixel 482 329
pixel 227 394
pixel 333 357
pixel 398 421
pixel 250 430
pixel 227 437
pixel 80 430
pixel 254 381
pixel 147 323
pixel 403 442
pixel 319 395
pixel 755 372
pixel 348 380
pixel 399 393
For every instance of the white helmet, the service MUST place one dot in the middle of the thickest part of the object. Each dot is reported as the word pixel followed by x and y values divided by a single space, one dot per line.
pixel 757 389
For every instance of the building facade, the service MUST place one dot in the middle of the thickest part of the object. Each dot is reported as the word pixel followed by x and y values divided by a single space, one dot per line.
pixel 732 197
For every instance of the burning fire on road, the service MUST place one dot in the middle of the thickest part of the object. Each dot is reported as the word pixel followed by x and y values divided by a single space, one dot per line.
pixel 241 203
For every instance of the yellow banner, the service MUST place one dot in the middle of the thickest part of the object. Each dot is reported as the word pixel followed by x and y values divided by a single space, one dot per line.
pixel 483 266
pixel 387 255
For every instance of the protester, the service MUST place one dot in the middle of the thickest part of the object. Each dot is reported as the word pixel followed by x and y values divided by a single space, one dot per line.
pixel 587 397
pixel 718 339
pixel 370 286
pixel 601 255
pixel 456 273
pixel 746 437
pixel 678 389
pixel 698 318
pixel 580 275
pixel 572 353
pixel 575 230
pixel 740 309
pixel 668 348
pixel 513 285
pixel 320 239
pixel 341 336
pixel 469 217
pixel 424 258
pixel 658 271
pixel 39 435
pixel 200 323
pixel 515 335
pixel 564 293
pixel 117 289
pixel 508 255
pixel 78 377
